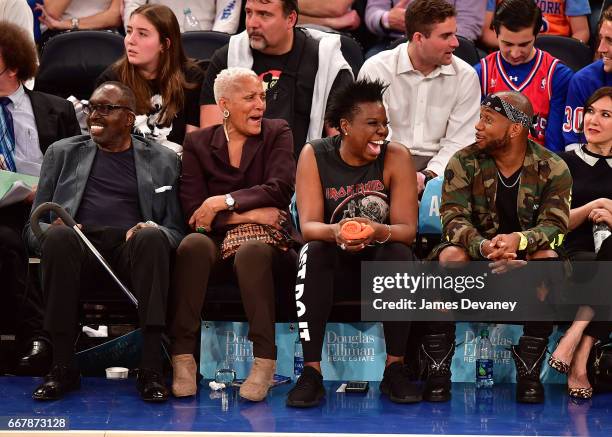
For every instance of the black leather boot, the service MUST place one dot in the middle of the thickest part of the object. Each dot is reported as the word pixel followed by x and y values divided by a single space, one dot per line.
pixel 437 352
pixel 528 357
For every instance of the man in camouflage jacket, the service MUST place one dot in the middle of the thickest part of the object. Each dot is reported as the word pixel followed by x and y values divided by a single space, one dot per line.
pixel 468 211
pixel 482 183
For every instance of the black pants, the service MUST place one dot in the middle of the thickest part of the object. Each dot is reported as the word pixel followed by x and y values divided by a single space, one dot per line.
pixel 326 273
pixel 22 299
pixel 68 268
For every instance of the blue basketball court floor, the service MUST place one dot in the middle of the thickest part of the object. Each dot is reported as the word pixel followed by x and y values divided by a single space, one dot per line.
pixel 108 406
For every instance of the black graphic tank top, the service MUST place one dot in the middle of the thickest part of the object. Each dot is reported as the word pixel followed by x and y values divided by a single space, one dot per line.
pixel 350 191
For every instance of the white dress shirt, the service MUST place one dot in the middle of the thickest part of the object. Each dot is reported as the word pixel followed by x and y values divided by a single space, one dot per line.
pixel 28 157
pixel 433 115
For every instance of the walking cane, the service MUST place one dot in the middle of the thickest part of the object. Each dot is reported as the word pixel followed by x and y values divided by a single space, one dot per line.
pixel 69 221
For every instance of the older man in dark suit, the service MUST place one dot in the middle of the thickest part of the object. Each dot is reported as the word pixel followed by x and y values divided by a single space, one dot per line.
pixel 122 190
pixel 30 121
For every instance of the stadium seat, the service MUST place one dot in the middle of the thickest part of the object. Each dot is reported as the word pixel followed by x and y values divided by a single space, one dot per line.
pixel 429 208
pixel 202 44
pixel 466 50
pixel 570 51
pixel 71 62
pixel 429 230
pixel 295 219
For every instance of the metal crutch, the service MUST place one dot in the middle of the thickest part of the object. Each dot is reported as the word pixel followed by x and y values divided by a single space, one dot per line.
pixel 69 221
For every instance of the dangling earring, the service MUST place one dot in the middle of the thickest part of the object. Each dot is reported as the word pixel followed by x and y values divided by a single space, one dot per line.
pixel 226 115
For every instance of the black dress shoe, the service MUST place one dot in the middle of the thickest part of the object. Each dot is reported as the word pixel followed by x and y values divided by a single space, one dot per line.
pixel 151 386
pixel 59 381
pixel 37 360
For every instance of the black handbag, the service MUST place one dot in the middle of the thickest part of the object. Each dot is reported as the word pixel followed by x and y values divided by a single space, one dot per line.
pixel 599 366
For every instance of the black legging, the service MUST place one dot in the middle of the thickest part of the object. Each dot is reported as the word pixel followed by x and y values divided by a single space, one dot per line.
pixel 323 268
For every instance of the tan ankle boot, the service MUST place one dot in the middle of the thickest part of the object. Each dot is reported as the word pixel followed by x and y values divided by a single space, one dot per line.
pixel 184 375
pixel 256 386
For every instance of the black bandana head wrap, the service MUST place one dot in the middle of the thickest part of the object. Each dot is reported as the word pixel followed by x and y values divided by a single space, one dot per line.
pixel 506 109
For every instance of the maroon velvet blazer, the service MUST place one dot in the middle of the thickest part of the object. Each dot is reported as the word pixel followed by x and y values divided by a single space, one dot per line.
pixel 266 177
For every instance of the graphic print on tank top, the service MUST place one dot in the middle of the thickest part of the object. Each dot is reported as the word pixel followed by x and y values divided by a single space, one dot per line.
pixel 365 200
pixel 351 191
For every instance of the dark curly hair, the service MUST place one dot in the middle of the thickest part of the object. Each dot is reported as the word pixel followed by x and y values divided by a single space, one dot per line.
pixel 18 51
pixel 344 103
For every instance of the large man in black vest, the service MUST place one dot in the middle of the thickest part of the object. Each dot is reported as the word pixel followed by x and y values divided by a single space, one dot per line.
pixel 31 121
pixel 299 67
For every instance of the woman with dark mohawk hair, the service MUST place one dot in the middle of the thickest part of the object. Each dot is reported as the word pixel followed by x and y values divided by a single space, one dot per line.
pixel 356 176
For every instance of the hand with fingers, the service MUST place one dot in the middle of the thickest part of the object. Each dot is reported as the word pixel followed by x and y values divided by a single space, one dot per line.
pixel 59 222
pixel 137 227
pixel 353 244
pixel 50 21
pixel 602 202
pixel 202 218
pixel 277 218
pixel 30 198
pixel 501 245
pixel 504 265
pixel 502 250
pixel 397 16
pixel 601 215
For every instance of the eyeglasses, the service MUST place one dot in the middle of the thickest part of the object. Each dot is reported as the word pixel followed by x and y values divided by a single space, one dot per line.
pixel 102 109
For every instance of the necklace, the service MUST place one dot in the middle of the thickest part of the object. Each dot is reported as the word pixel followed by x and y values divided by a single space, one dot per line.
pixel 501 179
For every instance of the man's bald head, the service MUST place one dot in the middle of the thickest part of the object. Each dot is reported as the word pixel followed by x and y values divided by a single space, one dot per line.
pixel 121 93
pixel 518 100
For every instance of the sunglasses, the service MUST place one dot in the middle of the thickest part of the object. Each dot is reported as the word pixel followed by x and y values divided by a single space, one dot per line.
pixel 102 109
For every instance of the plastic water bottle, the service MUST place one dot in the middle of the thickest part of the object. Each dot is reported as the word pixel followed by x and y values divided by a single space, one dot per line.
pixel 484 361
pixel 298 358
pixel 226 374
pixel 190 22
pixel 601 231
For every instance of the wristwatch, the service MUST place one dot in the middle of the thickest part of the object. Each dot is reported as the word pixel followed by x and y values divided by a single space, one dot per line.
pixel 75 23
pixel 230 202
pixel 522 242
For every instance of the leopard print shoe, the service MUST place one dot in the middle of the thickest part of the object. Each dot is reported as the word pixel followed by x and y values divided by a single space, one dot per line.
pixel 580 392
pixel 558 365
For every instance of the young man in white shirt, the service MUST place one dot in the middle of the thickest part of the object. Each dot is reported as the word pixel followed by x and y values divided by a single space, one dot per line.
pixel 433 98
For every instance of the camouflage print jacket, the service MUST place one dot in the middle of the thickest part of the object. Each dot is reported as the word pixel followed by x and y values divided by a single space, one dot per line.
pixel 468 210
